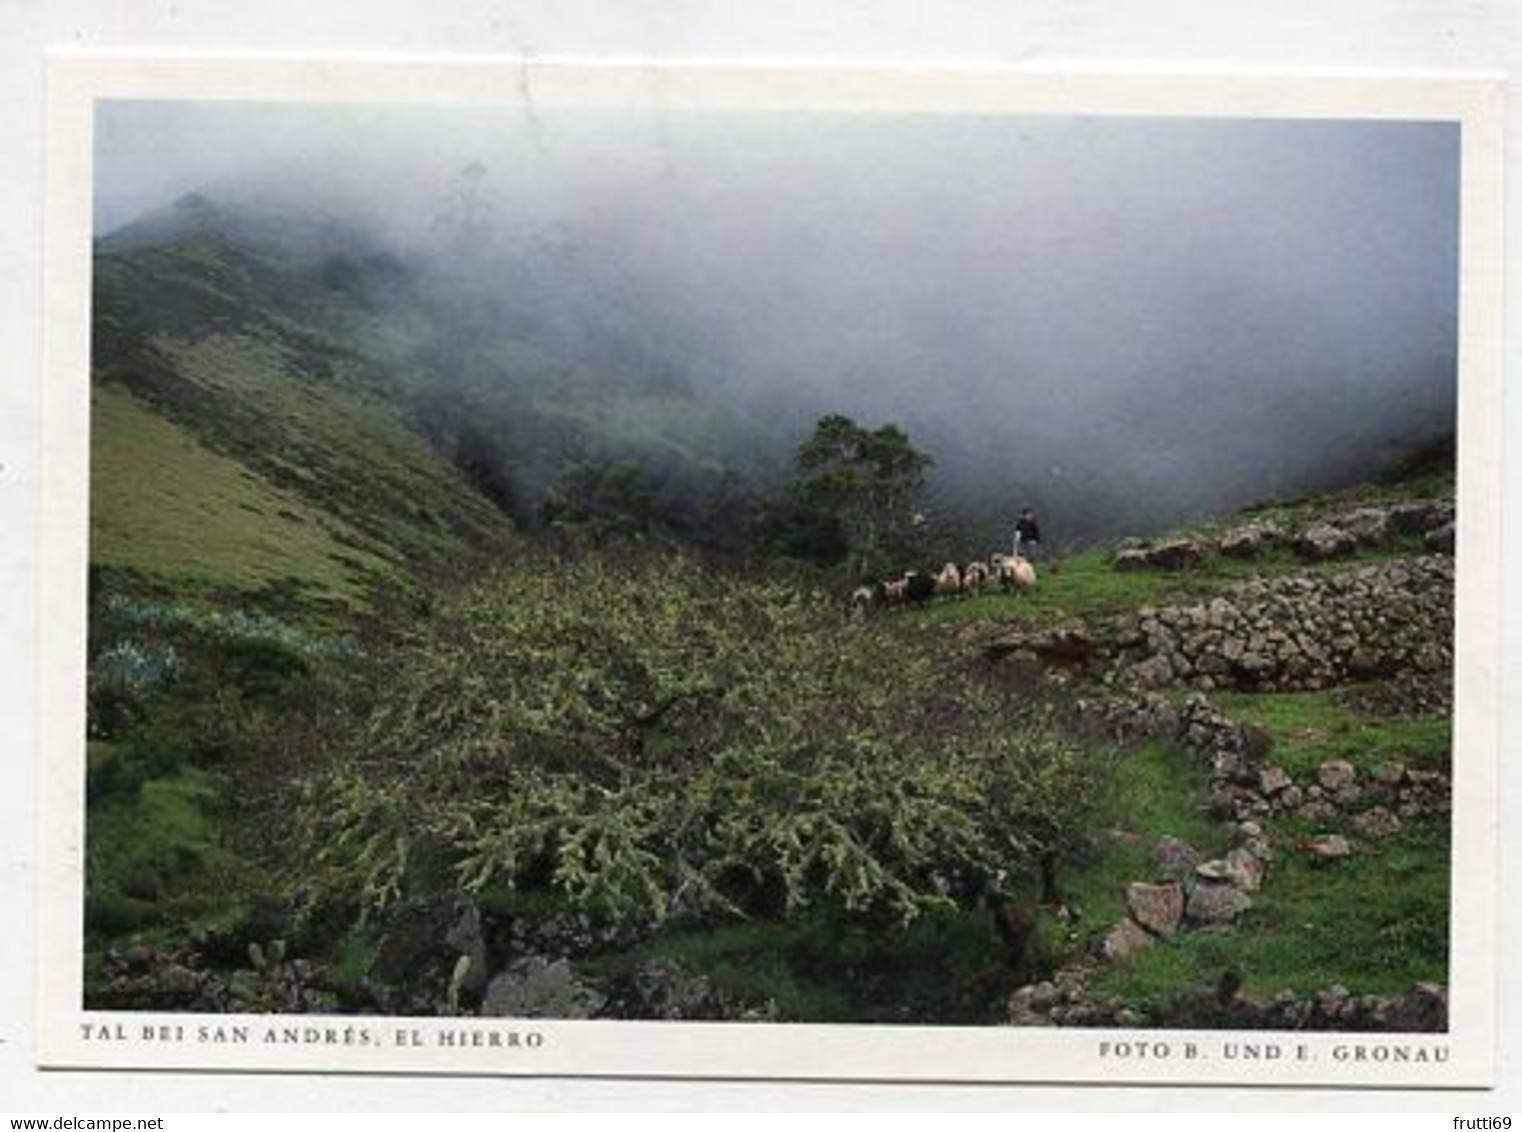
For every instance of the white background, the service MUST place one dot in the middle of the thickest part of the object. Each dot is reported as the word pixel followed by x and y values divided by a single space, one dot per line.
pixel 1393 36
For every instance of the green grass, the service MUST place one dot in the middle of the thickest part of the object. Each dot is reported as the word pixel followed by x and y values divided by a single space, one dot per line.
pixel 235 445
pixel 337 441
pixel 1427 484
pixel 1087 586
pixel 164 504
pixel 156 862
pixel 1158 791
pixel 1376 923
pixel 946 967
pixel 1310 728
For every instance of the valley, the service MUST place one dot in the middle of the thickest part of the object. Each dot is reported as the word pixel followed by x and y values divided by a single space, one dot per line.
pixel 445 663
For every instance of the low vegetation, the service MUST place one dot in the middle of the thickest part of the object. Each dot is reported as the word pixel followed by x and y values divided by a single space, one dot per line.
pixel 1376 923
pixel 382 633
pixel 653 740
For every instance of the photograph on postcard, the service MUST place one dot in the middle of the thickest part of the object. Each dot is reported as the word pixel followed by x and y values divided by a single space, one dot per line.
pixel 770 566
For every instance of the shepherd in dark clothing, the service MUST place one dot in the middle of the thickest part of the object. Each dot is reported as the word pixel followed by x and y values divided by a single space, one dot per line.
pixel 1028 536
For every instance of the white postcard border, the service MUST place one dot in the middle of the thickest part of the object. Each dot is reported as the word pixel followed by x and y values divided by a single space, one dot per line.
pixel 68 1036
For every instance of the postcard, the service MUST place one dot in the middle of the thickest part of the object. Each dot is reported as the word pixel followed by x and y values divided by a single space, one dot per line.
pixel 808 573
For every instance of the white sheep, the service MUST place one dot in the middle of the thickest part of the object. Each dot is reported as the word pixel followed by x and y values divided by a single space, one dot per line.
pixel 1013 572
pixel 1022 574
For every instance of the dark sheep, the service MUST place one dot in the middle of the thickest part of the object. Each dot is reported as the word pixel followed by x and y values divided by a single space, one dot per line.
pixel 918 587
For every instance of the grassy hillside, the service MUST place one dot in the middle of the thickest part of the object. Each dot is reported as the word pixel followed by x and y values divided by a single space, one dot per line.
pixel 1084 584
pixel 164 504
pixel 1375 922
pixel 250 428
pixel 256 487
pixel 823 818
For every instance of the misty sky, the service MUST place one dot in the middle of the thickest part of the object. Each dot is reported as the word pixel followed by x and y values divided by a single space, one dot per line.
pixel 1201 309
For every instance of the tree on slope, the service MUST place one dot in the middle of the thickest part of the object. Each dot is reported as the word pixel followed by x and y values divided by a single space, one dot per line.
pixel 853 498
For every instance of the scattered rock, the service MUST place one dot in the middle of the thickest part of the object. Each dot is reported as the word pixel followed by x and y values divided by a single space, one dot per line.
pixel 1205 1005
pixel 1321 541
pixel 1067 647
pixel 1180 554
pixel 535 987
pixel 1245 869
pixel 1420 517
pixel 1023 1010
pixel 1157 907
pixel 1273 779
pixel 1327 848
pixel 1377 823
pixel 1124 940
pixel 1250 541
pixel 1317 811
pixel 1216 870
pixel 1423 1010
pixel 664 991
pixel 1176 554
pixel 135 958
pixel 1174 857
pixel 1369 526
pixel 1441 540
pixel 1221 1006
pixel 1213 904
pixel 1336 775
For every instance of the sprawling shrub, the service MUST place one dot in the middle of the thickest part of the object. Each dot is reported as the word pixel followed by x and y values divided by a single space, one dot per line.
pixel 650 739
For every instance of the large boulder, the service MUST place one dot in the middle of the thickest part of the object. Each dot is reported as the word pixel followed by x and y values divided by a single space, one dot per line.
pixel 1336 775
pixel 662 990
pixel 1175 858
pixel 1250 541
pixel 1272 780
pixel 1245 869
pixel 1068 647
pixel 1320 541
pixel 1175 554
pixel 1216 902
pixel 1124 940
pixel 1327 849
pixel 1368 526
pixel 536 987
pixel 1419 517
pixel 1157 907
pixel 1179 554
pixel 1440 540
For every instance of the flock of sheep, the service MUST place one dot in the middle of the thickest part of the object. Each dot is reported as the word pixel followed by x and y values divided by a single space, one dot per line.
pixel 1009 572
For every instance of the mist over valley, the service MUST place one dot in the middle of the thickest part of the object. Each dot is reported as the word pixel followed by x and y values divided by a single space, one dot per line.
pixel 1123 323
pixel 555 563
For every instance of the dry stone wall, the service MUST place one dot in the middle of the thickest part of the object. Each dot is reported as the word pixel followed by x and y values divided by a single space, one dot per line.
pixel 1296 633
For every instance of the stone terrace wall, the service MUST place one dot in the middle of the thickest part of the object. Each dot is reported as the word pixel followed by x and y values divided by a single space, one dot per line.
pixel 1296 633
